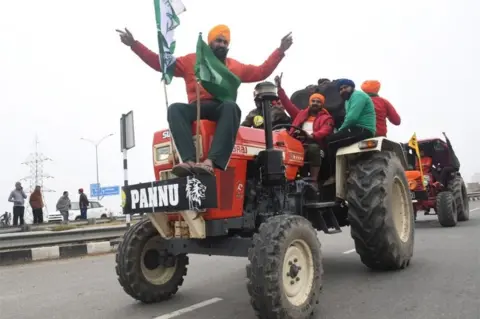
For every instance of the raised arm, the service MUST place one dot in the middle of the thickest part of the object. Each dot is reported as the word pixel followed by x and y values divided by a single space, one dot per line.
pixel 153 60
pixel 254 73
pixel 392 114
pixel 149 57
pixel 291 108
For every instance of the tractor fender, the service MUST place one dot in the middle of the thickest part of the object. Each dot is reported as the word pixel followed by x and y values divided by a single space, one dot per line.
pixel 375 144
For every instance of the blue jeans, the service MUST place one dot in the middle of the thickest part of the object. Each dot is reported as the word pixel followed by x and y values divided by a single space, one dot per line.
pixel 83 213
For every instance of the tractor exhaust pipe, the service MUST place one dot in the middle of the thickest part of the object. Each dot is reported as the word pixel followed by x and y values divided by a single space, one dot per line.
pixel 271 160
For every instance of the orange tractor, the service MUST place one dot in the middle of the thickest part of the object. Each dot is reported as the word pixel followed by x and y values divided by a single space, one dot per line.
pixel 438 185
pixel 262 209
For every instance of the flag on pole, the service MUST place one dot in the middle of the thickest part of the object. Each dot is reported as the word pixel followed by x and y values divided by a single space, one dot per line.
pixel 166 16
pixel 413 144
pixel 213 74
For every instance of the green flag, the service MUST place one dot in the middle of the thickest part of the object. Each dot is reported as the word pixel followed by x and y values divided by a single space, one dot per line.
pixel 166 17
pixel 214 76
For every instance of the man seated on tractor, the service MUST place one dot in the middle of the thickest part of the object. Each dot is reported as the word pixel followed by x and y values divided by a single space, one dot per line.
pixel 359 123
pixel 314 120
pixel 383 108
pixel 226 114
pixel 255 117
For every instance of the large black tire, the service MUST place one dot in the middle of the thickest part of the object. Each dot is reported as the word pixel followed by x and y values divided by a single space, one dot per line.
pixel 281 245
pixel 446 209
pixel 381 211
pixel 138 265
pixel 460 194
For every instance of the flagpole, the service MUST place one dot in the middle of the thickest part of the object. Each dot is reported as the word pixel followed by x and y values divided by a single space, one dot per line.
pixel 172 145
pixel 197 135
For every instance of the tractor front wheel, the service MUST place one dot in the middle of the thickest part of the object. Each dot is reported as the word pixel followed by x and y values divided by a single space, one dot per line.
pixel 285 270
pixel 380 211
pixel 145 269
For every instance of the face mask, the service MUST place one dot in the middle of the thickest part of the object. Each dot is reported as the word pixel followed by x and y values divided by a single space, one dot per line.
pixel 220 53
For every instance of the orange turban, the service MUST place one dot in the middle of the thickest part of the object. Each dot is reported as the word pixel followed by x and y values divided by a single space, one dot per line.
pixel 371 86
pixel 219 30
pixel 316 96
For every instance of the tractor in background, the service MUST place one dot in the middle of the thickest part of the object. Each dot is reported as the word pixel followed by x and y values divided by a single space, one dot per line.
pixel 261 208
pixel 439 184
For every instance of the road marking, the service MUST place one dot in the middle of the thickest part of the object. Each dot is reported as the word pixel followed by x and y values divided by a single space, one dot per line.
pixel 471 210
pixel 189 309
pixel 349 251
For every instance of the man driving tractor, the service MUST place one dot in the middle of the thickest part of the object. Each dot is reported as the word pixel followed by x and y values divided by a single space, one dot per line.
pixel 359 123
pixel 255 117
pixel 383 108
pixel 315 121
pixel 226 115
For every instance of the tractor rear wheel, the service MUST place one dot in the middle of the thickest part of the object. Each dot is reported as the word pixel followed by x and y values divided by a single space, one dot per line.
pixel 446 209
pixel 145 269
pixel 459 190
pixel 285 270
pixel 381 211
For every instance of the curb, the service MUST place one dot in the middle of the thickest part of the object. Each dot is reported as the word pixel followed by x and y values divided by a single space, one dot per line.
pixel 27 255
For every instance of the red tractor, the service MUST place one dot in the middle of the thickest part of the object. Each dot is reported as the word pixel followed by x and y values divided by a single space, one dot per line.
pixel 439 185
pixel 261 208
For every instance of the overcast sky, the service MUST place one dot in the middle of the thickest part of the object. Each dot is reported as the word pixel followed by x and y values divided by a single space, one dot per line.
pixel 65 75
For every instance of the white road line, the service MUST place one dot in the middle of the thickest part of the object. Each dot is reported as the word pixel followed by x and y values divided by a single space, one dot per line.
pixel 471 210
pixel 189 309
pixel 349 251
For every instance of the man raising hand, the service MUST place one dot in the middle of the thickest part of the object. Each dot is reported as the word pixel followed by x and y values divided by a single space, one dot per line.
pixel 226 114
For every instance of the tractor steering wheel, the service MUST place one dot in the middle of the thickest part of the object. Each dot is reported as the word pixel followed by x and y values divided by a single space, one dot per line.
pixel 297 133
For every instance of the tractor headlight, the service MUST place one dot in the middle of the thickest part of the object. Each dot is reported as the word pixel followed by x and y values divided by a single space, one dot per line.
pixel 162 152
pixel 426 180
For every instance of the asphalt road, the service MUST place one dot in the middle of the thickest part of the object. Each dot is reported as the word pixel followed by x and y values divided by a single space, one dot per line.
pixel 443 281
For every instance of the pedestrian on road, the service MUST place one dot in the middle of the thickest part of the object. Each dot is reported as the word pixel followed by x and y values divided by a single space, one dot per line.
pixel 83 203
pixel 17 197
pixel 64 205
pixel 36 202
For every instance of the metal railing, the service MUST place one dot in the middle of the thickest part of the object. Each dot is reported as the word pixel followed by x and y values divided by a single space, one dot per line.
pixel 50 238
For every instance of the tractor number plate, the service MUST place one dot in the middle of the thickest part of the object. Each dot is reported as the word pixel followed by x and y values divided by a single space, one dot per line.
pixel 195 193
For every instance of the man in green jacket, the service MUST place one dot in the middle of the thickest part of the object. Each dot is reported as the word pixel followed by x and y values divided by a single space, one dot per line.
pixel 360 119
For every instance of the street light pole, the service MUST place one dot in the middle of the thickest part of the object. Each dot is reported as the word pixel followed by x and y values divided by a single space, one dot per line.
pixel 96 144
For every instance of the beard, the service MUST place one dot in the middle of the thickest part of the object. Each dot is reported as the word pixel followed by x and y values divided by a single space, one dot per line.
pixel 220 53
pixel 346 95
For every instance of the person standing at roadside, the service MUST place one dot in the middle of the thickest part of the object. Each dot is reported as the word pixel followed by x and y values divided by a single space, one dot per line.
pixel 36 202
pixel 83 203
pixel 17 197
pixel 64 205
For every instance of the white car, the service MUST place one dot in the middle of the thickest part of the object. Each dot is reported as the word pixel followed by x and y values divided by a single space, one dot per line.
pixel 95 210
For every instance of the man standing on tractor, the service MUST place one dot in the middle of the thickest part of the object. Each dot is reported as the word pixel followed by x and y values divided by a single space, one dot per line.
pixel 383 108
pixel 226 114
pixel 255 117
pixel 315 121
pixel 359 123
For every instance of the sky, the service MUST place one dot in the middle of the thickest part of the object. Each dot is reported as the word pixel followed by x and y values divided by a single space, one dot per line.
pixel 64 74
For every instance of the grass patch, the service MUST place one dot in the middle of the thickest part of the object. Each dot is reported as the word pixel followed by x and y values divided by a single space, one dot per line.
pixel 63 227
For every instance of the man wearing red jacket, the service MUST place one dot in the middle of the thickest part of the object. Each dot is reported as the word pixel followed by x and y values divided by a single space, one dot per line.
pixel 314 120
pixel 383 108
pixel 226 115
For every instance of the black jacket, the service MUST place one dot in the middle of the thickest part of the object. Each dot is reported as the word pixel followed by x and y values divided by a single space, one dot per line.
pixel 278 117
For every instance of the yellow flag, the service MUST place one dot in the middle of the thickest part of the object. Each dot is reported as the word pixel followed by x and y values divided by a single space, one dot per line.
pixel 413 143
